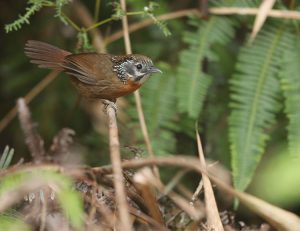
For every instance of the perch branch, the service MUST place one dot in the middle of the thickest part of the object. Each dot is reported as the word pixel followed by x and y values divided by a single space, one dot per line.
pixel 121 197
pixel 33 140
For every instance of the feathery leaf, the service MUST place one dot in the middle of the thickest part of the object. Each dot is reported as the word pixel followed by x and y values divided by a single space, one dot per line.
pixel 192 82
pixel 290 76
pixel 254 97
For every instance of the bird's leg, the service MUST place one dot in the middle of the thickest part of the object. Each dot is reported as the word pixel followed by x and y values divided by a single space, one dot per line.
pixel 109 103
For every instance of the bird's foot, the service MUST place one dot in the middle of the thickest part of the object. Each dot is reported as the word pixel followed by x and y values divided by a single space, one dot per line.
pixel 108 103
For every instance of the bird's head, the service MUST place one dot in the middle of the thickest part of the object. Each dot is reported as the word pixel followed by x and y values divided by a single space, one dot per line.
pixel 137 68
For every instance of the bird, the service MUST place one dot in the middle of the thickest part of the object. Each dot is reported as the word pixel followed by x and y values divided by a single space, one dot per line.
pixel 94 75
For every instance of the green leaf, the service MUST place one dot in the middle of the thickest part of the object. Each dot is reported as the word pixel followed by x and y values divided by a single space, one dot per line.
pixel 290 76
pixel 255 92
pixel 6 157
pixel 72 206
pixel 9 223
pixel 192 81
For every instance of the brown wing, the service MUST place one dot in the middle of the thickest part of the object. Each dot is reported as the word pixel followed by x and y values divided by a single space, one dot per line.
pixel 90 68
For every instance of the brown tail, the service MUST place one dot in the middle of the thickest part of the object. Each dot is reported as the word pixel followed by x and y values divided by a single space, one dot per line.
pixel 45 55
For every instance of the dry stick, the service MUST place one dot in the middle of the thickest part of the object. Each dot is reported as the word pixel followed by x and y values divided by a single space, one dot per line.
pixel 253 11
pixel 142 181
pixel 212 213
pixel 44 211
pixel 214 10
pixel 136 93
pixel 33 140
pixel 28 98
pixel 279 218
pixel 261 17
pixel 121 197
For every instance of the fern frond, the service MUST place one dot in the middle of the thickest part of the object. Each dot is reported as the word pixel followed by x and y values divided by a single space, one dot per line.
pixel 192 82
pixel 35 6
pixel 290 76
pixel 254 97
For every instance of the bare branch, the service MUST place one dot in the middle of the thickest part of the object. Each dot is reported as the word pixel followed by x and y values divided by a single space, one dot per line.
pixel 33 140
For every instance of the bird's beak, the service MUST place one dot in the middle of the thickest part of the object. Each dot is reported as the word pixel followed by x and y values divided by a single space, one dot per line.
pixel 154 70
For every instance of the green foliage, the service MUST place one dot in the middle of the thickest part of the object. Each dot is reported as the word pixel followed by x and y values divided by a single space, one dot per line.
pixel 69 200
pixel 255 94
pixel 149 12
pixel 9 223
pixel 84 42
pixel 192 81
pixel 6 157
pixel 58 7
pixel 34 6
pixel 159 103
pixel 290 75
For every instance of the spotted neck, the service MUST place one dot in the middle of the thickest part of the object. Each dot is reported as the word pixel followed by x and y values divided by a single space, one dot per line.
pixel 119 64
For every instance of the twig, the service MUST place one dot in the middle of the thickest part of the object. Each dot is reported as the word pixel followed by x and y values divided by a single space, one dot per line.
pixel 147 176
pixel 86 19
pixel 147 22
pixel 37 89
pixel 121 197
pixel 254 11
pixel 142 181
pixel 137 96
pixel 212 213
pixel 261 17
pixel 214 10
pixel 44 210
pixel 280 218
pixel 33 140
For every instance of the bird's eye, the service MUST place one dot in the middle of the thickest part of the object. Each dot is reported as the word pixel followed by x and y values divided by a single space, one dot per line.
pixel 139 66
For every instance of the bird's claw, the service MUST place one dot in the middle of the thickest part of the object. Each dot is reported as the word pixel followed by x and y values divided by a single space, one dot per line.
pixel 108 103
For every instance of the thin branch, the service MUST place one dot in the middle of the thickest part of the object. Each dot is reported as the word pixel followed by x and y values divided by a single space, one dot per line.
pixel 286 14
pixel 276 216
pixel 261 17
pixel 33 140
pixel 147 22
pixel 142 181
pixel 194 11
pixel 137 96
pixel 86 19
pixel 121 197
pixel 97 10
pixel 36 90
